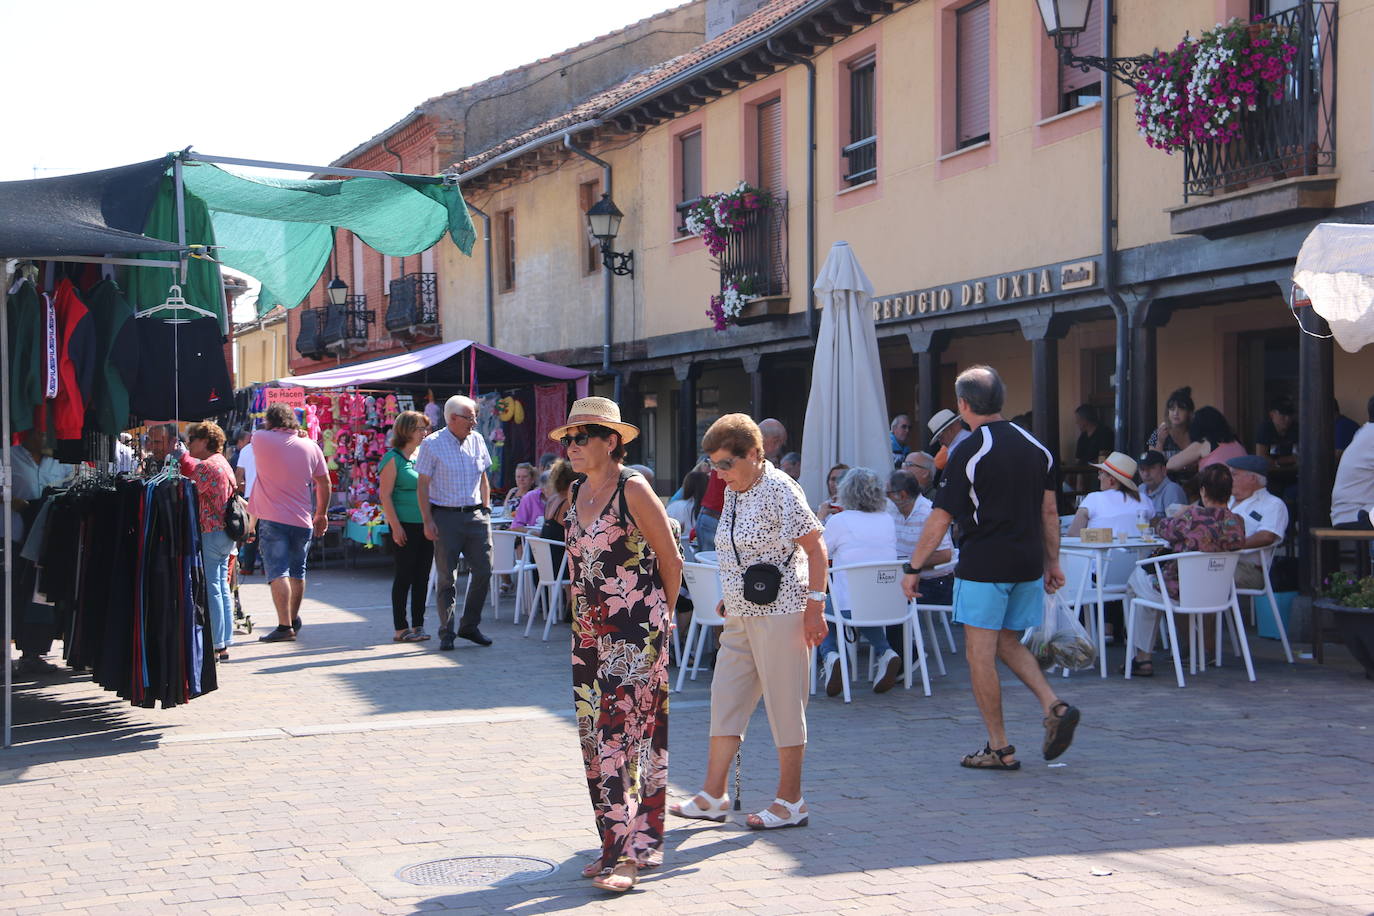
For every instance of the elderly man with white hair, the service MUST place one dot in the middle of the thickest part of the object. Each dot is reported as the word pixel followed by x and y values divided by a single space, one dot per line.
pixel 455 500
pixel 1264 514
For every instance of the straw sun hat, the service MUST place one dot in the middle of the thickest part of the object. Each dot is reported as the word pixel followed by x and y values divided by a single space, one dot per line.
pixel 1120 466
pixel 600 411
pixel 942 421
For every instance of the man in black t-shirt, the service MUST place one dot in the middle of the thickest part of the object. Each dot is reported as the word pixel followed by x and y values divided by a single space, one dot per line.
pixel 999 487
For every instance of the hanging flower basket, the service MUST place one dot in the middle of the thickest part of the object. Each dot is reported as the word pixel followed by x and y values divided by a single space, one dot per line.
pixel 1199 91
pixel 715 217
pixel 734 296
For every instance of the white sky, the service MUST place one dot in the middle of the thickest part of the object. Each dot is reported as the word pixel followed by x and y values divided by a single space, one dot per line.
pixel 91 85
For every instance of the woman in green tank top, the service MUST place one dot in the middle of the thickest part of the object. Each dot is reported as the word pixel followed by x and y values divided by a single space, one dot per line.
pixel 414 551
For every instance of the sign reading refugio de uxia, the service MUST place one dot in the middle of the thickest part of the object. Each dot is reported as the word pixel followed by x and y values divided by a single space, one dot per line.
pixel 989 291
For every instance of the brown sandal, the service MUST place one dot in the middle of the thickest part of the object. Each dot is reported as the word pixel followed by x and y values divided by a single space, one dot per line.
pixel 618 881
pixel 594 869
pixel 989 759
pixel 1059 729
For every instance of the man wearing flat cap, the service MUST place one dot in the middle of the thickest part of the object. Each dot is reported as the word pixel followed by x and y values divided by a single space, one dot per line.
pixel 1264 514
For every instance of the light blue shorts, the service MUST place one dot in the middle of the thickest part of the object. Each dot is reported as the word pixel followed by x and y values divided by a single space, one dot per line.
pixel 999 605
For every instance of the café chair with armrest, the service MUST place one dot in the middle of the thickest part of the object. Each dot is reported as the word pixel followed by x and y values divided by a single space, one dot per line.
pixel 875 593
pixel 1206 586
pixel 703 580
pixel 1266 558
pixel 549 591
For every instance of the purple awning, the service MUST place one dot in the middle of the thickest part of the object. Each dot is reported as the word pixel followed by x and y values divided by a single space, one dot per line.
pixel 446 365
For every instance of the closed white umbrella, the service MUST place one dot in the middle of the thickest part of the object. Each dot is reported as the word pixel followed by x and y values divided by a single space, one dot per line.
pixel 846 414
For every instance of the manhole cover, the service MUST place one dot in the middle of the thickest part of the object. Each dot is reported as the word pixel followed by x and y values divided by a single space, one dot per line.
pixel 476 871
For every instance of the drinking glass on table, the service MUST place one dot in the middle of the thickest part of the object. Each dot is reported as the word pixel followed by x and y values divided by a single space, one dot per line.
pixel 1142 522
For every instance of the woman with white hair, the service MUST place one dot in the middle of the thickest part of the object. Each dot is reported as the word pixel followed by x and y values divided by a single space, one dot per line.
pixel 863 533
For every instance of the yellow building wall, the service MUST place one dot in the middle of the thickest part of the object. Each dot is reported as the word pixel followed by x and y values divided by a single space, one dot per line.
pixel 261 354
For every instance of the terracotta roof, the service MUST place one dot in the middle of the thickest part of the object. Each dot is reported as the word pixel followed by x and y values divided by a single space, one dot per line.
pixel 765 17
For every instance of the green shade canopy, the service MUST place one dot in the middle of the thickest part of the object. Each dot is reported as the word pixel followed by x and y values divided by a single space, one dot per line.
pixel 281 231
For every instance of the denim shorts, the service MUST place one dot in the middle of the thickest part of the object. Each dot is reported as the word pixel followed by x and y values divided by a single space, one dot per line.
pixel 999 605
pixel 282 548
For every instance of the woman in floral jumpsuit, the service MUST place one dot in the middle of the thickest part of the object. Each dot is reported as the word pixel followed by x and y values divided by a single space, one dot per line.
pixel 625 573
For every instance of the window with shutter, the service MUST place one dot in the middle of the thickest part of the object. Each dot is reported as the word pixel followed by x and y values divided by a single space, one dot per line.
pixel 505 227
pixel 689 181
pixel 861 152
pixel 1077 88
pixel 587 194
pixel 973 85
pixel 769 116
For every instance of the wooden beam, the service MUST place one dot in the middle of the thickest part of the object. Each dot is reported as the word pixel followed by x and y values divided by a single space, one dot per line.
pixel 755 66
pixel 848 15
pixel 718 82
pixel 829 26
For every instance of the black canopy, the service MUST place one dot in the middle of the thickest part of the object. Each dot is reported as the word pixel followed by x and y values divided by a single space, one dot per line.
pixel 90 214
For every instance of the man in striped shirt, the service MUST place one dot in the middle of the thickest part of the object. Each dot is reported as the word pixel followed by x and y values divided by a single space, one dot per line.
pixel 999 487
pixel 455 501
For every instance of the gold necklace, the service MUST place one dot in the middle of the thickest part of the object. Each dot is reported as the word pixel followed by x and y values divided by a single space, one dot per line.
pixel 599 495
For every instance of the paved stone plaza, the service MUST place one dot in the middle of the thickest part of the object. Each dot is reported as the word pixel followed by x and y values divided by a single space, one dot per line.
pixel 321 768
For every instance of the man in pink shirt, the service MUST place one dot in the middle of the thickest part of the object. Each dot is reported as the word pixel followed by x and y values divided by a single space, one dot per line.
pixel 287 463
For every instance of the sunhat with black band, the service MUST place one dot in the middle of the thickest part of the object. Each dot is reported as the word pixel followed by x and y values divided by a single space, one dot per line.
pixel 1120 466
pixel 942 421
pixel 598 412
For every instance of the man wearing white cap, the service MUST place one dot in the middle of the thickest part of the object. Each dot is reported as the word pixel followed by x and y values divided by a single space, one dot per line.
pixel 455 502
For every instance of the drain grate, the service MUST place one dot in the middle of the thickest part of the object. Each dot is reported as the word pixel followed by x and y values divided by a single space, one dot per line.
pixel 477 871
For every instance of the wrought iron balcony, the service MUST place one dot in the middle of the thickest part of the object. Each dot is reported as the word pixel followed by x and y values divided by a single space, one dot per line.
pixel 345 326
pixel 413 304
pixel 1293 136
pixel 862 157
pixel 755 259
pixel 309 342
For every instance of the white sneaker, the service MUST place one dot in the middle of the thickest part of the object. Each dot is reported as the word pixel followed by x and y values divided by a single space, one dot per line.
pixel 830 673
pixel 890 668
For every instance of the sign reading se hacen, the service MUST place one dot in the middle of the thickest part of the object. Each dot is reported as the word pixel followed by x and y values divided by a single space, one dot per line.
pixel 291 396
pixel 990 291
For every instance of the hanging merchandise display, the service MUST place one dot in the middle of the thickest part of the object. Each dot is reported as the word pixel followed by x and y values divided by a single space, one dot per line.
pixel 116 565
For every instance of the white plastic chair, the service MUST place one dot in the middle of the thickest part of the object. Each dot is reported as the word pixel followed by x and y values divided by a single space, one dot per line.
pixel 1266 558
pixel 504 562
pixel 945 611
pixel 1206 585
pixel 549 591
pixel 706 556
pixel 704 581
pixel 876 599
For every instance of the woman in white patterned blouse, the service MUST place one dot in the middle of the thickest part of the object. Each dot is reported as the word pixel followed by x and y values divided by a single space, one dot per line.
pixel 764 648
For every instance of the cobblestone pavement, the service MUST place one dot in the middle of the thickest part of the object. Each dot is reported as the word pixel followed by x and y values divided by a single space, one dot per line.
pixel 322 767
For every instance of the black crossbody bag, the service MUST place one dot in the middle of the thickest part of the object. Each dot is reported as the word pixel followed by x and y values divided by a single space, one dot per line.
pixel 761 580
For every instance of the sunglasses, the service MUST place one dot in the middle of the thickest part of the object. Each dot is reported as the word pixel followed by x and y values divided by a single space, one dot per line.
pixel 724 465
pixel 579 440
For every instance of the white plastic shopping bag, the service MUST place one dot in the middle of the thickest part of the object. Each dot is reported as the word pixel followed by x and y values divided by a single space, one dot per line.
pixel 1060 640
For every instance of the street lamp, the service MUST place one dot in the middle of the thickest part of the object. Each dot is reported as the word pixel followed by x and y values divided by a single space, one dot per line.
pixel 1065 20
pixel 336 291
pixel 603 220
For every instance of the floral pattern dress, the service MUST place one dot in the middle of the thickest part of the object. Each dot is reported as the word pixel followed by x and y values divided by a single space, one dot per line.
pixel 620 679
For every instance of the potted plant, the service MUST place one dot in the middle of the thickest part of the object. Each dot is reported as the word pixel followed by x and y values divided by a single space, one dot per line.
pixel 1351 601
pixel 715 218
pixel 1200 91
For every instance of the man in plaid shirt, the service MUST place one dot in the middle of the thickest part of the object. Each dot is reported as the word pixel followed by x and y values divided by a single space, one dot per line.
pixel 455 500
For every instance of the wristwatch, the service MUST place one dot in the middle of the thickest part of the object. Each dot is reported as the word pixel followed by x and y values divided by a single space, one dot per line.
pixel 816 596
pixel 910 570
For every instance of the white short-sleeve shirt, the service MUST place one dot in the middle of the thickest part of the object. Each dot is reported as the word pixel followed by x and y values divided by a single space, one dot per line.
pixel 909 526
pixel 763 524
pixel 857 537
pixel 1262 511
pixel 1115 510
pixel 454 468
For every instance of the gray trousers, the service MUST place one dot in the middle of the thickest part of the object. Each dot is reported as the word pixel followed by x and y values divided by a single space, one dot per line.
pixel 465 534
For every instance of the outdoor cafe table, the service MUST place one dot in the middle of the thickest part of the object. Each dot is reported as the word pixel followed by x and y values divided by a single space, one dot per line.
pixel 1099 552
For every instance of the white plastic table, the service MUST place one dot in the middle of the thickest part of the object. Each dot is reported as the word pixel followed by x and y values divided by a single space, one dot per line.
pixel 1099 551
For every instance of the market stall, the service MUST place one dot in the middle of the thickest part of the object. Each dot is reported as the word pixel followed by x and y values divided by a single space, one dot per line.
pixel 349 411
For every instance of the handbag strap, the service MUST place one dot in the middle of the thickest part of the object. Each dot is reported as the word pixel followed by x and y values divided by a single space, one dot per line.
pixel 734 513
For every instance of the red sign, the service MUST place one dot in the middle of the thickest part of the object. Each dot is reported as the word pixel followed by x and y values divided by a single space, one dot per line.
pixel 291 397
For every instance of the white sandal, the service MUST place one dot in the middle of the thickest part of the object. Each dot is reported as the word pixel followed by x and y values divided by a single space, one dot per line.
pixel 719 808
pixel 796 816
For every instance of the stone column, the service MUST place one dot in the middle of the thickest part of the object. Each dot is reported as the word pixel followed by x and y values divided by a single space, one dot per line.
pixel 1044 333
pixel 753 365
pixel 926 347
pixel 687 444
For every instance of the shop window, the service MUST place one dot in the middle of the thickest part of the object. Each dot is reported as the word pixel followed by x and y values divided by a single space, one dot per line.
pixel 973 74
pixel 861 152
pixel 359 269
pixel 689 175
pixel 505 249
pixel 1077 88
pixel 588 193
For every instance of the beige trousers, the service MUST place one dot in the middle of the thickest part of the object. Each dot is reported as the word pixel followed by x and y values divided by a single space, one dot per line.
pixel 762 657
